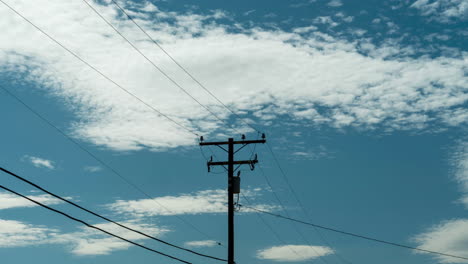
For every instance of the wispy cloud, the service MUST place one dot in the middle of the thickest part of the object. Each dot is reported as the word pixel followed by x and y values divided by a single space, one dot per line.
pixel 451 236
pixel 293 253
pixel 347 83
pixel 18 234
pixel 9 201
pixel 201 243
pixel 40 162
pixel 85 242
pixel 443 10
pixel 92 242
pixel 335 3
pixel 209 201
pixel 92 168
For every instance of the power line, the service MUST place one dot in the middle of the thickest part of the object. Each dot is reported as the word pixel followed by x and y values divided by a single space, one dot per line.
pixel 286 212
pixel 105 218
pixel 101 73
pixel 94 227
pixel 100 161
pixel 157 67
pixel 355 235
pixel 121 87
pixel 181 67
pixel 273 231
pixel 297 200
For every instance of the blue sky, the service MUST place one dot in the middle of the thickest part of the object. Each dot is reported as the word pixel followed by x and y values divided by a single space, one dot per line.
pixel 364 104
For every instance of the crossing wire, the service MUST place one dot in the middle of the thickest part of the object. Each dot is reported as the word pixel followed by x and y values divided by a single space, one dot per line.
pixel 105 218
pixel 297 200
pixel 355 235
pixel 159 68
pixel 172 58
pixel 100 161
pixel 283 208
pixel 159 113
pixel 119 86
pixel 272 230
pixel 93 227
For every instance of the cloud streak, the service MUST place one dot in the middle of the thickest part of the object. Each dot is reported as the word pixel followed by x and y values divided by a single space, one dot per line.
pixel 202 202
pixel 40 162
pixel 451 236
pixel 293 253
pixel 85 242
pixel 201 243
pixel 443 11
pixel 9 201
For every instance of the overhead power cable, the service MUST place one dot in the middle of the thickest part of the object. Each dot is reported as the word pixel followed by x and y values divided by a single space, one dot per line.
pixel 157 67
pixel 338 255
pixel 100 161
pixel 94 227
pixel 273 231
pixel 159 113
pixel 172 58
pixel 356 235
pixel 105 218
pixel 283 208
pixel 109 79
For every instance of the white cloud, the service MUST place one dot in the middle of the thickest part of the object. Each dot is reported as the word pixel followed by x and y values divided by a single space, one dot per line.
pixel 209 201
pixel 450 237
pixel 8 201
pixel 18 234
pixel 40 162
pixel 460 163
pixel 252 74
pixel 325 20
pixel 293 253
pixel 92 242
pixel 335 3
pixel 85 242
pixel 92 168
pixel 201 243
pixel 443 10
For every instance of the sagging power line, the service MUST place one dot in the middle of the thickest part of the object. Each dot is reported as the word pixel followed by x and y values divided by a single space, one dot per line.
pixel 184 69
pixel 158 112
pixel 354 234
pixel 105 218
pixel 93 227
pixel 102 162
pixel 296 198
pixel 159 69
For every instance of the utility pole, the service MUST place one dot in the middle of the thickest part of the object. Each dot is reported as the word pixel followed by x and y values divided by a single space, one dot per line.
pixel 233 182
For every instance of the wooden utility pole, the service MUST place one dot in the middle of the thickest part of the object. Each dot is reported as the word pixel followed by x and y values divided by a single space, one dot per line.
pixel 233 182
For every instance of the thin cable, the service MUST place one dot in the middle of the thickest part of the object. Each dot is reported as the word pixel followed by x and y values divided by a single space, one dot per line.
pixel 272 230
pixel 105 218
pixel 181 67
pixel 94 227
pixel 298 201
pixel 100 73
pixel 157 67
pixel 356 235
pixel 101 161
pixel 283 208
